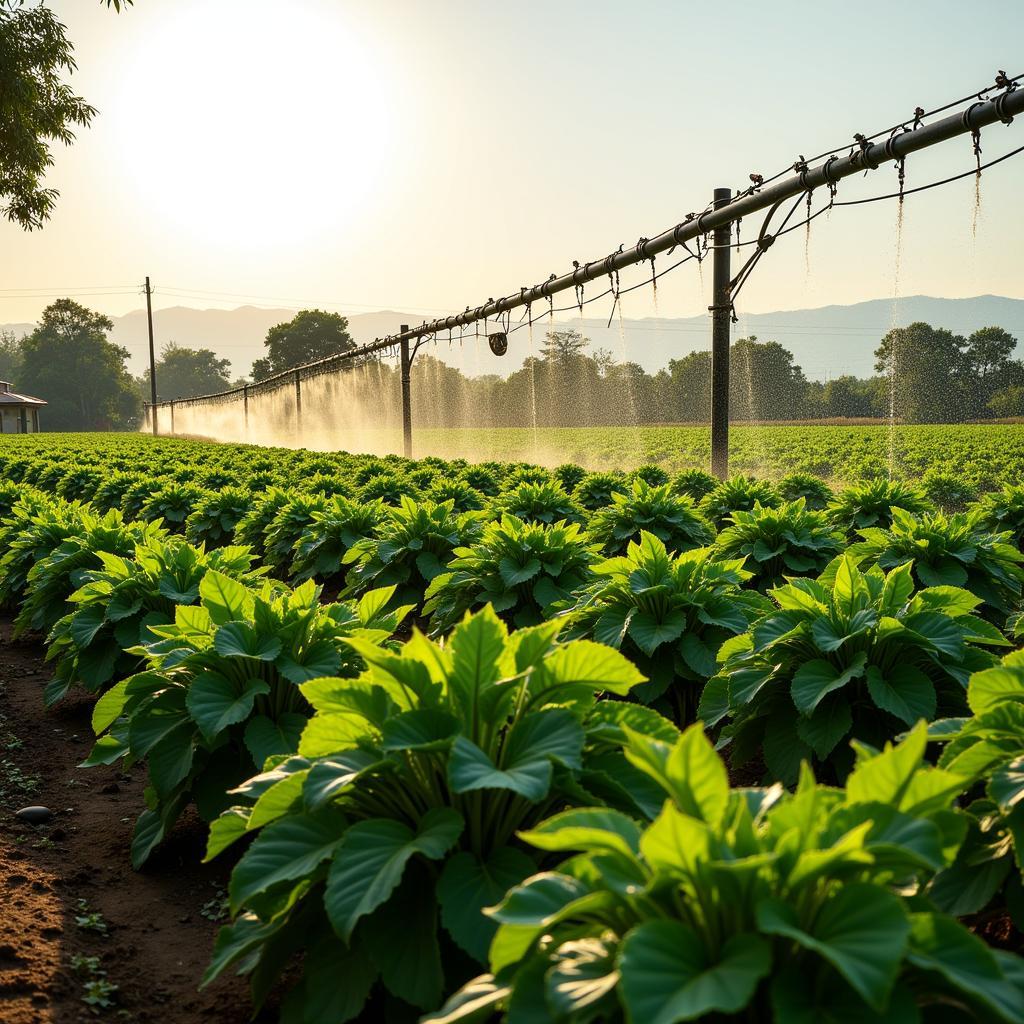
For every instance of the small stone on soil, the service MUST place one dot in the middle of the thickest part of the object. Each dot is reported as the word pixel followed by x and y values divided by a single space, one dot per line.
pixel 35 815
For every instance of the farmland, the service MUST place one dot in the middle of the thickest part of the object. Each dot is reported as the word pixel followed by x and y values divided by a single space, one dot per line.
pixel 984 455
pixel 494 741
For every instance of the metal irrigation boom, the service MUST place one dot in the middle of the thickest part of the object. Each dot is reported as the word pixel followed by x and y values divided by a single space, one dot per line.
pixel 724 211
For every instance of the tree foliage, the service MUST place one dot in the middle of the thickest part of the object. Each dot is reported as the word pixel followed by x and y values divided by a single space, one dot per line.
pixel 310 335
pixel 37 108
pixel 69 362
pixel 186 372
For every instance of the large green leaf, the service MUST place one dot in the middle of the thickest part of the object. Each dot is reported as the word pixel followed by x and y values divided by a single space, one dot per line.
pixel 421 729
pixel 542 900
pixel 554 733
pixel 158 717
pixel 215 701
pixel 336 979
pixel 862 930
pixel 170 760
pixel 238 939
pixel 332 775
pixel 593 829
pixel 474 1003
pixel 1006 786
pixel 321 658
pixel 372 860
pixel 468 884
pixel 241 640
pixel 829 723
pixel 476 647
pixel 887 776
pixel 290 848
pixel 649 631
pixel 668 974
pixel 938 943
pixel 401 939
pixel 815 679
pixel 850 590
pixel 586 663
pixel 903 691
pixel 225 599
pixel 230 826
pixel 581 986
pixel 470 768
pixel 266 737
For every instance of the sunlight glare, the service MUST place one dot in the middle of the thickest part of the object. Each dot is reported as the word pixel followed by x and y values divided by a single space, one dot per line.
pixel 256 128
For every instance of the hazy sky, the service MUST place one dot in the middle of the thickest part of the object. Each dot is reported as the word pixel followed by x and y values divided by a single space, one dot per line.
pixel 426 155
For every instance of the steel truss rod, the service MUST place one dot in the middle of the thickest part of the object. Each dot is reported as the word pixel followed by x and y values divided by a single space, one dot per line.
pixel 865 156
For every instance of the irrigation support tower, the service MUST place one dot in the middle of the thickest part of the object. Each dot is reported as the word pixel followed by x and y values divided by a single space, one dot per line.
pixel 721 314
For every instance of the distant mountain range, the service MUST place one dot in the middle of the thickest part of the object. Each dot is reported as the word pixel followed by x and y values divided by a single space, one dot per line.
pixel 827 341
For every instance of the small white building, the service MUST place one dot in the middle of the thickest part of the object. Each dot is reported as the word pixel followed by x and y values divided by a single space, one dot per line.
pixel 19 414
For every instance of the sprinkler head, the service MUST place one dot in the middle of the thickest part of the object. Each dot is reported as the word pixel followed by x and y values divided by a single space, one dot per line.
pixel 498 343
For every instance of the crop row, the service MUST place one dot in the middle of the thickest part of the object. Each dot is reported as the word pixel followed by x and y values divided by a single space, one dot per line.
pixel 519 813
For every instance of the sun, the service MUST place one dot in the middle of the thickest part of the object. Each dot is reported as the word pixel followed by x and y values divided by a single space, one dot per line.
pixel 254 125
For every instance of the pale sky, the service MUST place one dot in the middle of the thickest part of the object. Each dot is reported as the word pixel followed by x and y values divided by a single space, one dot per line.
pixel 428 155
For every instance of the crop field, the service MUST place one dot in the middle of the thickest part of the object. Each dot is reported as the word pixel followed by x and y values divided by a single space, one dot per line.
pixel 983 456
pixel 497 741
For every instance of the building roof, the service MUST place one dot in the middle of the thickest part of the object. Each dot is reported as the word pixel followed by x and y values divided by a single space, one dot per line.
pixel 9 397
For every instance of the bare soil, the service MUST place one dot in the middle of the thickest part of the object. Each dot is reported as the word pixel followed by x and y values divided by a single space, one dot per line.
pixel 159 931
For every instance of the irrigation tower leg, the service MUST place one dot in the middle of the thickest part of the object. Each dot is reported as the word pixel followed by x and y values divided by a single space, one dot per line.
pixel 245 409
pixel 721 312
pixel 298 407
pixel 406 394
pixel 172 415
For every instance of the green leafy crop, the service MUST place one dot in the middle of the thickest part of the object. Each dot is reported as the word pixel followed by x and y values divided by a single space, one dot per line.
pixel 595 490
pixel 694 483
pixel 755 906
pixel 1004 510
pixel 320 551
pixel 524 570
pixel 56 575
pixel 956 551
pixel 216 516
pixel 36 526
pixel 544 502
pixel 117 602
pixel 816 493
pixel 871 504
pixel 173 503
pixel 861 656
pixel 380 842
pixel 669 614
pixel 252 527
pixel 409 548
pixel 673 519
pixel 989 748
pixel 778 542
pixel 220 693
pixel 737 494
pixel 286 527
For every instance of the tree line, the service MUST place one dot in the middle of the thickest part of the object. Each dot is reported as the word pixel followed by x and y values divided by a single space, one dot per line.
pixel 923 374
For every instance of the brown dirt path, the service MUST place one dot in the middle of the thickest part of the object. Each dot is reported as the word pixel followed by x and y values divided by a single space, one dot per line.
pixel 159 934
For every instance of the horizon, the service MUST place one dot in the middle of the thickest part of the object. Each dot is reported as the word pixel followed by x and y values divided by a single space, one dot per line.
pixel 653 349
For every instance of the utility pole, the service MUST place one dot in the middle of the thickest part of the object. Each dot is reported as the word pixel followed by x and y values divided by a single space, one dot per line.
pixel 152 354
pixel 721 310
pixel 406 393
